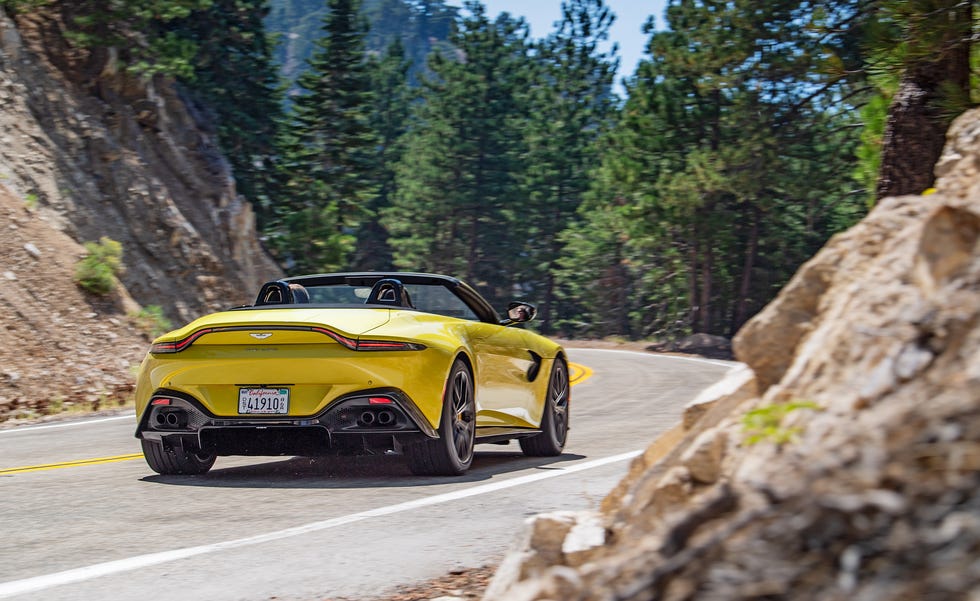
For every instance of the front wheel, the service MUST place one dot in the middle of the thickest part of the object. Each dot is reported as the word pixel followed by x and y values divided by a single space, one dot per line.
pixel 452 453
pixel 554 423
pixel 176 461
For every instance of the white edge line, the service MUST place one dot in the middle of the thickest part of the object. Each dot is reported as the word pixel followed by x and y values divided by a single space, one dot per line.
pixel 66 424
pixel 46 581
pixel 719 362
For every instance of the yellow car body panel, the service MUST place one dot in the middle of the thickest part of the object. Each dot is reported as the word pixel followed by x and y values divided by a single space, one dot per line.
pixel 216 366
pixel 501 360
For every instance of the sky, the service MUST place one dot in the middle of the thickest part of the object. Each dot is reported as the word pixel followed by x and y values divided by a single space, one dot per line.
pixel 627 30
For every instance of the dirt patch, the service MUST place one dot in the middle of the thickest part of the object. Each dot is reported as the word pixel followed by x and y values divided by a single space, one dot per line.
pixel 458 584
pixel 61 349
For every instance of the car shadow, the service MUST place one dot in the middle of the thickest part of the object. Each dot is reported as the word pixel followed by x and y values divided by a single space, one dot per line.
pixel 357 472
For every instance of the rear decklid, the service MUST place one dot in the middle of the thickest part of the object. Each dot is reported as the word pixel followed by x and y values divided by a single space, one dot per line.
pixel 301 357
pixel 273 326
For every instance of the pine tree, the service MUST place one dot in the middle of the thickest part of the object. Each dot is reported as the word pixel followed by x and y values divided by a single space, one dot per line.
pixel 137 34
pixel 458 194
pixel 217 50
pixel 432 27
pixel 571 106
pixel 712 174
pixel 235 79
pixel 389 119
pixel 420 25
pixel 328 149
pixel 927 45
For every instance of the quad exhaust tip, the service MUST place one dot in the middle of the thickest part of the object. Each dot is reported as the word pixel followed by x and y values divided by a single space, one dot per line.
pixel 171 419
pixel 384 417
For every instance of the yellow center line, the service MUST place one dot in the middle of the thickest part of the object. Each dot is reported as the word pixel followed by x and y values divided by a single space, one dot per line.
pixel 55 466
pixel 576 375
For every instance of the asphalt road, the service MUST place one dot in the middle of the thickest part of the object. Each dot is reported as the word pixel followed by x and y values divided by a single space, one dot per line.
pixel 96 523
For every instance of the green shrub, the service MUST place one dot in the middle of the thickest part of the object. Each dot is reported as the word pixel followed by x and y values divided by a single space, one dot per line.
pixel 97 271
pixel 151 320
pixel 766 423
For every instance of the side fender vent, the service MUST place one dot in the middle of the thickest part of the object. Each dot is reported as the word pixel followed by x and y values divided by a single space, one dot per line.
pixel 535 369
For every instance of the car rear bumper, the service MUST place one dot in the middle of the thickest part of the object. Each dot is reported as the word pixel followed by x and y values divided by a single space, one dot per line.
pixel 376 420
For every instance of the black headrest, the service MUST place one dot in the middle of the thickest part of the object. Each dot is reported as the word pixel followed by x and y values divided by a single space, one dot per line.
pixel 300 294
pixel 389 291
pixel 274 293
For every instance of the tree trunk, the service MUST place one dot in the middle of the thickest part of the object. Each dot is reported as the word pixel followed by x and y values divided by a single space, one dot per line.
pixel 549 298
pixel 707 277
pixel 914 136
pixel 748 264
pixel 915 131
pixel 546 311
pixel 692 280
pixel 613 303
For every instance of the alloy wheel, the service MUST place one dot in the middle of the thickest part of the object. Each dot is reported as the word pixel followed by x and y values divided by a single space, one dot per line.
pixel 464 424
pixel 558 392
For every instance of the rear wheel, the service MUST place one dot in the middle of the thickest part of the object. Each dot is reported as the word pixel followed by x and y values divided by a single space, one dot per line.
pixel 175 461
pixel 554 423
pixel 452 453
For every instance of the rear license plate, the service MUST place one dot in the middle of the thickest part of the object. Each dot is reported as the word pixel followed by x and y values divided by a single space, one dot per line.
pixel 263 400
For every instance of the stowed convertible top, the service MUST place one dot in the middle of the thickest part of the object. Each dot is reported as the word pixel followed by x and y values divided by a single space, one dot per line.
pixel 369 278
pixel 293 291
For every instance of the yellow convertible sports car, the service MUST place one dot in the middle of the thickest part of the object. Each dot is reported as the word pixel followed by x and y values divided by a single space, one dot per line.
pixel 395 363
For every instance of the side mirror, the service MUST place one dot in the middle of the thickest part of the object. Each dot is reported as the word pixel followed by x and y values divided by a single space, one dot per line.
pixel 520 312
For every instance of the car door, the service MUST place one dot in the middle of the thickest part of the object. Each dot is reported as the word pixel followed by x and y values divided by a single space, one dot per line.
pixel 504 393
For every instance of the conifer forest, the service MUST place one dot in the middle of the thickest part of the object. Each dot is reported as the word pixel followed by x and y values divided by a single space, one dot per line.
pixel 420 135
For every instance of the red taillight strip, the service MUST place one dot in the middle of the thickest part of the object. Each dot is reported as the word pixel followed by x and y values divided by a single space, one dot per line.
pixel 176 347
pixel 350 343
pixel 163 347
pixel 371 345
pixel 186 342
pixel 388 345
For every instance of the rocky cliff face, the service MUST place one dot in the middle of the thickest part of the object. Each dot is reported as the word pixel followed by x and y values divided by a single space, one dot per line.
pixel 103 153
pixel 88 151
pixel 842 463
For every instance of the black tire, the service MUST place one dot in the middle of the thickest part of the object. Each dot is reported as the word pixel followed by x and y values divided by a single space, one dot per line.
pixel 554 423
pixel 452 453
pixel 175 461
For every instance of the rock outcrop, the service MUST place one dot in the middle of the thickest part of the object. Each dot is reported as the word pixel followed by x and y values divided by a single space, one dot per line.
pixel 101 152
pixel 843 462
pixel 87 151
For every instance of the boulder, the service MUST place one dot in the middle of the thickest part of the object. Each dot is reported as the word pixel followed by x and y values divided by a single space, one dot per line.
pixel 865 481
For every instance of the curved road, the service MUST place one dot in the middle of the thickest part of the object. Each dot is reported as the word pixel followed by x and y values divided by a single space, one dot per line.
pixel 96 523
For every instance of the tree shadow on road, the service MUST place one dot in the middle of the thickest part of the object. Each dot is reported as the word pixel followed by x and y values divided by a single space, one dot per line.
pixel 348 472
